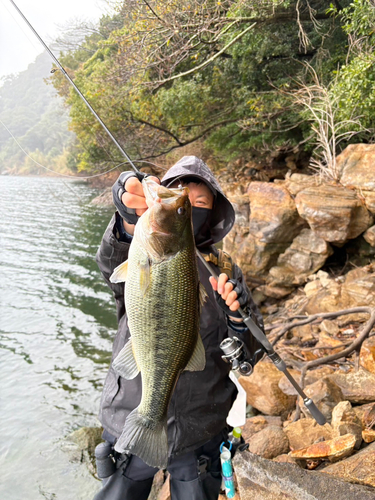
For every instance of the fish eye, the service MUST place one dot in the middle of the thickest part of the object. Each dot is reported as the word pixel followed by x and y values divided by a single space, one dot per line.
pixel 181 211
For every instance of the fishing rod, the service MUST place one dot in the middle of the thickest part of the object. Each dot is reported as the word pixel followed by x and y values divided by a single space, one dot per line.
pixel 231 349
pixel 138 173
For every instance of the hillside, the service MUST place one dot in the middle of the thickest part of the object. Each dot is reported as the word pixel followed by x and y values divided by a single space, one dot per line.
pixel 36 116
pixel 263 84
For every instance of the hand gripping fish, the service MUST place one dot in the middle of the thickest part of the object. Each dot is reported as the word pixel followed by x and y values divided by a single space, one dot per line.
pixel 163 298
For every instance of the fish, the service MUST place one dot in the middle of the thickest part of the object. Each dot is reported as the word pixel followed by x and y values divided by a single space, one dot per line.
pixel 163 299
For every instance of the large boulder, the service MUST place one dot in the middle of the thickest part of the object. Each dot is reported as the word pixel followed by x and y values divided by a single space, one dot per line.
pixel 298 182
pixel 254 257
pixel 241 204
pixel 273 217
pixel 359 468
pixel 356 165
pixel 367 355
pixel 272 226
pixel 356 288
pixel 306 255
pixel 263 392
pixel 269 480
pixel 240 201
pixel 358 387
pixel 270 442
pixel 305 432
pixel 335 213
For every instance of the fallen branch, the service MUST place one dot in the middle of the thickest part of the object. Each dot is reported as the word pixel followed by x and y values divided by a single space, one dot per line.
pixel 317 318
pixel 353 346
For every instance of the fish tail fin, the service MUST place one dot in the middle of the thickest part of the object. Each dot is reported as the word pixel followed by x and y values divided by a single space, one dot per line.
pixel 146 440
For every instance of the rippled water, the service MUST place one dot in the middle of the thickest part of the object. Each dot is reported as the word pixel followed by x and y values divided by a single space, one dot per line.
pixel 57 321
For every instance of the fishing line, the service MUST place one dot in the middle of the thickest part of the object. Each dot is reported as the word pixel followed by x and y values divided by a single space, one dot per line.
pixel 75 176
pixel 139 174
pixel 20 27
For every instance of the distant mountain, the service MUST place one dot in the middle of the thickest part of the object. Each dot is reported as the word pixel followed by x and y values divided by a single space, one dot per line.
pixel 35 115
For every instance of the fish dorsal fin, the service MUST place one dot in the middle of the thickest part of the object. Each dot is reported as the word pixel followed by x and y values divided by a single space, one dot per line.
pixel 202 295
pixel 125 363
pixel 120 273
pixel 198 360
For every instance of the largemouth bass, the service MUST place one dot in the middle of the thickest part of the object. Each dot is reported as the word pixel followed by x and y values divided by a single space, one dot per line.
pixel 162 299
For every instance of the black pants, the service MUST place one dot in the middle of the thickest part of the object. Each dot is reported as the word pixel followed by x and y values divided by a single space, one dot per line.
pixel 135 481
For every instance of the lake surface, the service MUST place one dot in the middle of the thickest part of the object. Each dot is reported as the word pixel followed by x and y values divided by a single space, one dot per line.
pixel 57 322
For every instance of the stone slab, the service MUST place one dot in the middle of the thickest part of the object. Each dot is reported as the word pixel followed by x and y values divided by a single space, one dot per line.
pixel 263 479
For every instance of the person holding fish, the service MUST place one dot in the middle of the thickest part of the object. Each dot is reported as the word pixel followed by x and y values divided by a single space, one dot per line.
pixel 167 394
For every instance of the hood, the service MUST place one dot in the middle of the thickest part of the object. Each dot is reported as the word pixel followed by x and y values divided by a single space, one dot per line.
pixel 223 214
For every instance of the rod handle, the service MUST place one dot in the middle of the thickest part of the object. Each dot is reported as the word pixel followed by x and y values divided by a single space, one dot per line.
pixel 317 414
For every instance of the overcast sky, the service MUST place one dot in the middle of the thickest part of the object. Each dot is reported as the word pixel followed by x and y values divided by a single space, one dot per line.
pixel 19 46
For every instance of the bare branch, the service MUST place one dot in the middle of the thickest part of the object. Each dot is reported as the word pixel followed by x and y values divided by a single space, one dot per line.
pixel 323 106
pixel 352 347
pixel 208 61
pixel 152 10
pixel 190 141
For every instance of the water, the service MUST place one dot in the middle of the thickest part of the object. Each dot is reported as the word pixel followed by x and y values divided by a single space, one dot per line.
pixel 57 322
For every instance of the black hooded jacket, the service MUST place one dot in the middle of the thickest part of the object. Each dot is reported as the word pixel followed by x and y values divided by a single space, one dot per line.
pixel 201 400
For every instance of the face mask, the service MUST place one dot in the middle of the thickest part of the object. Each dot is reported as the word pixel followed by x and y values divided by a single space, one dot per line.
pixel 201 220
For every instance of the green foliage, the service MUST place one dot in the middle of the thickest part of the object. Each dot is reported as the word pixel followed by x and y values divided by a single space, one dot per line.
pixel 355 87
pixel 359 19
pixel 219 73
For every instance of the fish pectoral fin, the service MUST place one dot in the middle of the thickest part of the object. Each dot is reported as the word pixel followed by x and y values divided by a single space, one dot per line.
pixel 202 295
pixel 125 363
pixel 120 273
pixel 144 274
pixel 198 359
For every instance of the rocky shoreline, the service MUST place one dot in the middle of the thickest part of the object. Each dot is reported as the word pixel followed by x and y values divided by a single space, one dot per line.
pixel 320 318
pixel 286 230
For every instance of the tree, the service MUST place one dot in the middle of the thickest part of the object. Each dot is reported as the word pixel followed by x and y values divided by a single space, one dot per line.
pixel 172 74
